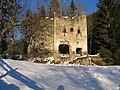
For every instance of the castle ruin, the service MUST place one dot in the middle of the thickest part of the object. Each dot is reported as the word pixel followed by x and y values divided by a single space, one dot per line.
pixel 67 36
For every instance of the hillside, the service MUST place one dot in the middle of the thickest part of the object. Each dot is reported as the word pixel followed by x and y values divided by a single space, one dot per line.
pixel 23 75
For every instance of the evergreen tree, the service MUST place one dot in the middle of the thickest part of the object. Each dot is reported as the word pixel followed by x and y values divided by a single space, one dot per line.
pixel 104 33
pixel 116 33
pixel 9 13
pixel 27 30
pixel 54 7
pixel 91 22
pixel 42 12
pixel 72 9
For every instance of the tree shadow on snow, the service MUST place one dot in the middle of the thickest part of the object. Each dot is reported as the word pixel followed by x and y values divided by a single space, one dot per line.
pixel 18 76
pixel 5 86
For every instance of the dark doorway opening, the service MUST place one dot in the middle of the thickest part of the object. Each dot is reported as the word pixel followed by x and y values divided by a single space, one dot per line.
pixel 79 51
pixel 63 49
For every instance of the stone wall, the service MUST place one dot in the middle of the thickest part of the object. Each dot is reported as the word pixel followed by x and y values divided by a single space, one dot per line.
pixel 62 30
pixel 72 32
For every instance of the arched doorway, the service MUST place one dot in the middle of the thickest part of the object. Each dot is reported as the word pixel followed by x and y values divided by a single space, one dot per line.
pixel 64 49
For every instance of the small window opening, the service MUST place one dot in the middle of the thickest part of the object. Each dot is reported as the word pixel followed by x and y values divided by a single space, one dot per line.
pixel 64 30
pixel 79 51
pixel 71 29
pixel 42 43
pixel 78 31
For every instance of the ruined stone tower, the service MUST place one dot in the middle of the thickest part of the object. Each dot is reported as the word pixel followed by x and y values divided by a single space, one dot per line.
pixel 67 36
pixel 70 35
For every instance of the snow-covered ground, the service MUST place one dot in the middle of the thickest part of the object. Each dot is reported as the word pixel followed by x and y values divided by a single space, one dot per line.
pixel 23 75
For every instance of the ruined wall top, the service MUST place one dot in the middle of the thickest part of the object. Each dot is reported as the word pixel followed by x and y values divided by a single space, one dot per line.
pixel 65 17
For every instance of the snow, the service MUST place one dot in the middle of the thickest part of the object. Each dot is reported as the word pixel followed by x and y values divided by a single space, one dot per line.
pixel 73 17
pixel 52 19
pixel 96 55
pixel 24 75
pixel 46 17
pixel 66 17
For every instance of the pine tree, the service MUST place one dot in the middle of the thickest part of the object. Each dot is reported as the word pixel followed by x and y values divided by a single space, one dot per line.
pixel 9 12
pixel 91 22
pixel 105 28
pixel 116 33
pixel 72 9
pixel 42 12
pixel 54 7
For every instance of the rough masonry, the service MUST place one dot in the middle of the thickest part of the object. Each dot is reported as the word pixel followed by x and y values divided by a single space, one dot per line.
pixel 67 36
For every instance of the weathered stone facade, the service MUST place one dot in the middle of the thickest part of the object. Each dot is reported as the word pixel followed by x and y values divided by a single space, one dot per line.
pixel 67 36
pixel 70 34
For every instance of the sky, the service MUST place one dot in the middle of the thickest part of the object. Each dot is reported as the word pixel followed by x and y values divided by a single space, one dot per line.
pixel 90 5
